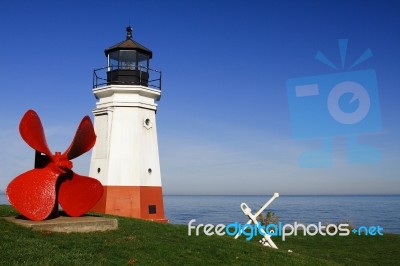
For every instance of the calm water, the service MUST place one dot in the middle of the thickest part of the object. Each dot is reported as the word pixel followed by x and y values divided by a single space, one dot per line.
pixel 358 210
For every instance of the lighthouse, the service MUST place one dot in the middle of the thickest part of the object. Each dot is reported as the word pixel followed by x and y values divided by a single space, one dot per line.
pixel 125 158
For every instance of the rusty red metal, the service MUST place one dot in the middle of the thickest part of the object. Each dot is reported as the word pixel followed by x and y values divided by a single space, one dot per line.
pixel 37 192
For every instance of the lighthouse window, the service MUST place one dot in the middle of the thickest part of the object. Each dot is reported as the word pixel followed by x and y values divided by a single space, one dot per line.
pixel 113 60
pixel 127 59
pixel 143 62
pixel 147 123
pixel 152 209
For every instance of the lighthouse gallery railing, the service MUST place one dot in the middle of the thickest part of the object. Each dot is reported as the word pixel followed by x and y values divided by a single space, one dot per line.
pixel 100 77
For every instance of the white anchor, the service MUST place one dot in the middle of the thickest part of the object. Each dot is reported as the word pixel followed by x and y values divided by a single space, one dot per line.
pixel 266 240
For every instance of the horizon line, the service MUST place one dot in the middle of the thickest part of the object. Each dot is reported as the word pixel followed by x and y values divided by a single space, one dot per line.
pixel 291 195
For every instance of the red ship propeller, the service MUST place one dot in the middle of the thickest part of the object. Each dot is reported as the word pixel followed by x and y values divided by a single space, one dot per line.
pixel 37 192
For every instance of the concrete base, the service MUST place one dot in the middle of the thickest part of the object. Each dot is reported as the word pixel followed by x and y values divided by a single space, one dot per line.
pixel 64 224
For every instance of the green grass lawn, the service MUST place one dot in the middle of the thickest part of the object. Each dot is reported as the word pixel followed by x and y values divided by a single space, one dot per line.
pixel 139 242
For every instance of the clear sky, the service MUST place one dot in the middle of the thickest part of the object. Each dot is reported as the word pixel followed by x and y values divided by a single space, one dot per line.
pixel 224 123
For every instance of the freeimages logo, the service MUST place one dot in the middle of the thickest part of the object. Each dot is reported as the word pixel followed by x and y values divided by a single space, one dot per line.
pixel 338 104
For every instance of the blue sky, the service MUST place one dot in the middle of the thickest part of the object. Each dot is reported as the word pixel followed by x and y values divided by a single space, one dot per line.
pixel 223 120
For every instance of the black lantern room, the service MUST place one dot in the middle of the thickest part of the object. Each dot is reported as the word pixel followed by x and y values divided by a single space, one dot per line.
pixel 128 62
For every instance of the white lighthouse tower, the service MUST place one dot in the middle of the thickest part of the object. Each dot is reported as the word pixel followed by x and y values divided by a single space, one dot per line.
pixel 125 158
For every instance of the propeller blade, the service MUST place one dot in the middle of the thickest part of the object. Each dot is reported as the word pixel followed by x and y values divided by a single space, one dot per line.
pixel 33 193
pixel 78 194
pixel 84 139
pixel 31 131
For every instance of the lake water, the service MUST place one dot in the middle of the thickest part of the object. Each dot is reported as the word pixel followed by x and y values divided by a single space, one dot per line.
pixel 357 210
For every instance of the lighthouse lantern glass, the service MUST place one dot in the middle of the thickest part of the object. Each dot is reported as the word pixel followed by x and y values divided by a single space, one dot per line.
pixel 143 62
pixel 127 59
pixel 113 60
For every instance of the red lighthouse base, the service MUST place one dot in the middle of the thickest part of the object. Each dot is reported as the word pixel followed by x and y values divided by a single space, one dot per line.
pixel 140 202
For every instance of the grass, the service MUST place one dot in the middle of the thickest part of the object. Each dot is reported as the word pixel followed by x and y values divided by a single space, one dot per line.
pixel 138 242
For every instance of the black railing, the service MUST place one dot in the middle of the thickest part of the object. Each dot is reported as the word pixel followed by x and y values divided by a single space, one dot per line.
pixel 139 76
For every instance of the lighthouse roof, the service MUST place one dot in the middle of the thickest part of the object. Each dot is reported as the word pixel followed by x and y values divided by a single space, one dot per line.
pixel 129 44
